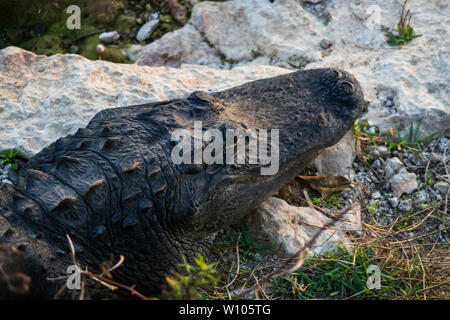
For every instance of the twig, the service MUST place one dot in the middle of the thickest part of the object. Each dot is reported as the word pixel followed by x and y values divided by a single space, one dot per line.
pixel 110 284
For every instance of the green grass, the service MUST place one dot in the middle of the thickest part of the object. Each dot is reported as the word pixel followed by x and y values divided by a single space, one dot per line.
pixel 405 32
pixel 330 201
pixel 188 286
pixel 411 140
pixel 9 157
pixel 343 275
pixel 391 138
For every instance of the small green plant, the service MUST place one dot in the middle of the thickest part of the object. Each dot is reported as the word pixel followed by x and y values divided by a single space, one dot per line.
pixel 10 157
pixel 316 201
pixel 373 207
pixel 366 130
pixel 187 287
pixel 330 201
pixel 404 29
pixel 248 245
pixel 412 140
pixel 333 200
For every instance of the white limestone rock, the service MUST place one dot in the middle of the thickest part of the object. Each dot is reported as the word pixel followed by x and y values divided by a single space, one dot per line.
pixel 290 227
pixel 400 180
pixel 338 159
pixel 45 98
pixel 402 84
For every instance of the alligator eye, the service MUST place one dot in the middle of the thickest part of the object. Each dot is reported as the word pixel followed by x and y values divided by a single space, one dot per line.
pixel 343 90
pixel 330 77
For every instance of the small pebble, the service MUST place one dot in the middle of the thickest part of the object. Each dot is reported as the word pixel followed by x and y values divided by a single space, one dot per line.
pixel 442 187
pixel 405 205
pixel 109 37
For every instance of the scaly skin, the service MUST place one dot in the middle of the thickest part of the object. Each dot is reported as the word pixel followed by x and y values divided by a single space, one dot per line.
pixel 113 188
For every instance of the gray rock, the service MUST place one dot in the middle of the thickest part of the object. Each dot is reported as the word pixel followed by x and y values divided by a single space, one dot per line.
pixel 338 159
pixel 434 158
pixel 146 30
pixel 376 164
pixel 326 44
pixel 284 33
pixel 109 37
pixel 383 151
pixel 421 197
pixel 183 46
pixel 292 227
pixel 376 194
pixel 405 205
pixel 393 202
pixel 81 88
pixel 442 187
pixel 400 180
pixel 444 144
pixel 374 153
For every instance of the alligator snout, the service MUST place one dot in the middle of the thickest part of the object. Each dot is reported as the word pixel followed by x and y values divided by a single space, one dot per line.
pixel 340 83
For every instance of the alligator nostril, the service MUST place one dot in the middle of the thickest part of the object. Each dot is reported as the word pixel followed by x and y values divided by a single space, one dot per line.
pixel 343 89
pixel 330 77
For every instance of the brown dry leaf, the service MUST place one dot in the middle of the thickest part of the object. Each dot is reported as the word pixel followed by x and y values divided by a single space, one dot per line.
pixel 178 12
pixel 326 184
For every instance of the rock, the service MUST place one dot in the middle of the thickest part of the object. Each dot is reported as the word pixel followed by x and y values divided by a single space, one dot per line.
pixel 338 159
pixel 393 202
pixel 81 87
pixel 383 151
pixel 434 158
pixel 376 164
pixel 421 197
pixel 326 44
pixel 284 33
pixel 146 30
pixel 376 194
pixel 109 37
pixel 374 153
pixel 290 227
pixel 442 187
pixel 405 205
pixel 184 46
pixel 401 181
pixel 444 144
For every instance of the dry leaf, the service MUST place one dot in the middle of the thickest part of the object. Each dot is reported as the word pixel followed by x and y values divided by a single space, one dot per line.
pixel 326 184
pixel 178 12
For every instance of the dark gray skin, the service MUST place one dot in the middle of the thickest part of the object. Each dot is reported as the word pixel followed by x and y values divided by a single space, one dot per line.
pixel 113 187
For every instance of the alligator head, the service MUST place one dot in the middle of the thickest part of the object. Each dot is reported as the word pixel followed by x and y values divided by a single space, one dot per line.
pixel 116 188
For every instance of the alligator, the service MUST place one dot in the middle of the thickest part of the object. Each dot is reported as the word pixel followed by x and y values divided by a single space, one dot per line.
pixel 115 190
